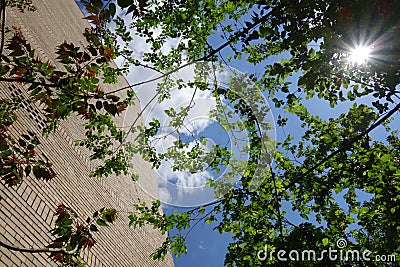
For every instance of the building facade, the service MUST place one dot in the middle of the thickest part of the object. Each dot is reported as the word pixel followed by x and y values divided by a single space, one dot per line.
pixel 27 211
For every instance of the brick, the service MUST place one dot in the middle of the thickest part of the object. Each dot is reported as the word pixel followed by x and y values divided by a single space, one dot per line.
pixel 46 212
pixel 35 204
pixel 5 212
pixel 31 198
pixel 16 260
pixel 40 208
pixel 26 193
pixel 9 234
pixel 6 261
pixel 8 193
pixel 21 188
pixel 29 258
pixel 49 218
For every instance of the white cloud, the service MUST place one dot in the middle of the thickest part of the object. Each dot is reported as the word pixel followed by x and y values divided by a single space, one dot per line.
pixel 164 195
pixel 201 245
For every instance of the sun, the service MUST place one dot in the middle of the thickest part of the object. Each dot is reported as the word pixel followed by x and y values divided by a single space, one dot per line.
pixel 360 54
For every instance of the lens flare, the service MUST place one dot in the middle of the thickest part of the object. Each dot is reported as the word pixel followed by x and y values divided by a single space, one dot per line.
pixel 360 54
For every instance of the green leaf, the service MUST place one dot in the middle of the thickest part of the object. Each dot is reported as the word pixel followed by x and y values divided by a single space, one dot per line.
pixel 6 153
pixel 4 69
pixel 135 177
pixel 312 53
pixel 124 3
pixel 26 137
pixel 325 241
pixel 21 142
pixel 108 218
pixel 93 228
pixel 3 145
pixel 202 210
pixel 101 222
pixel 112 9
pixel 97 3
pixel 385 158
pixel 39 172
pixel 210 219
pixel 364 210
pixel 99 104
pixel 28 170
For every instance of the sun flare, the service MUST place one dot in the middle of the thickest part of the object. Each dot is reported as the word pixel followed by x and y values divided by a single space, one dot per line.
pixel 360 54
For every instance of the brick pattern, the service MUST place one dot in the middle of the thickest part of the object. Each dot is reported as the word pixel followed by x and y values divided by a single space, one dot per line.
pixel 26 211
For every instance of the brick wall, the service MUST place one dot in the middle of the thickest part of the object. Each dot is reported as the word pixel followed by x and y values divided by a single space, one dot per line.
pixel 26 211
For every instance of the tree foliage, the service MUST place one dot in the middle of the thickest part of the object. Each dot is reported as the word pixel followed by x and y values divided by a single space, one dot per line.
pixel 304 48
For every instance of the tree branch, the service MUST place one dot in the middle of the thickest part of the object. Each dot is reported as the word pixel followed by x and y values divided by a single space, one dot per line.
pixel 204 58
pixel 343 148
pixel 3 26
pixel 346 145
pixel 22 80
pixel 38 250
pixel 48 85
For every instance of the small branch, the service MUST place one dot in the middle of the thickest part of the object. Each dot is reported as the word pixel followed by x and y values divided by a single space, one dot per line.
pixel 48 85
pixel 22 80
pixel 346 145
pixel 199 220
pixel 372 85
pixel 206 205
pixel 38 250
pixel 204 58
pixel 104 6
pixel 278 204
pixel 126 58
pixel 134 123
pixel 3 26
pixel 343 148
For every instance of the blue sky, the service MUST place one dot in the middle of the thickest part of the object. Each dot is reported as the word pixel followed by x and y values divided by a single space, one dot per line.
pixel 206 248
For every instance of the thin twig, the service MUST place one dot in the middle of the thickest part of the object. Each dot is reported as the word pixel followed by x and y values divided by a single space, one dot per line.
pixel 3 26
pixel 38 250
pixel 134 122
pixel 346 145
pixel 22 80
pixel 204 58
